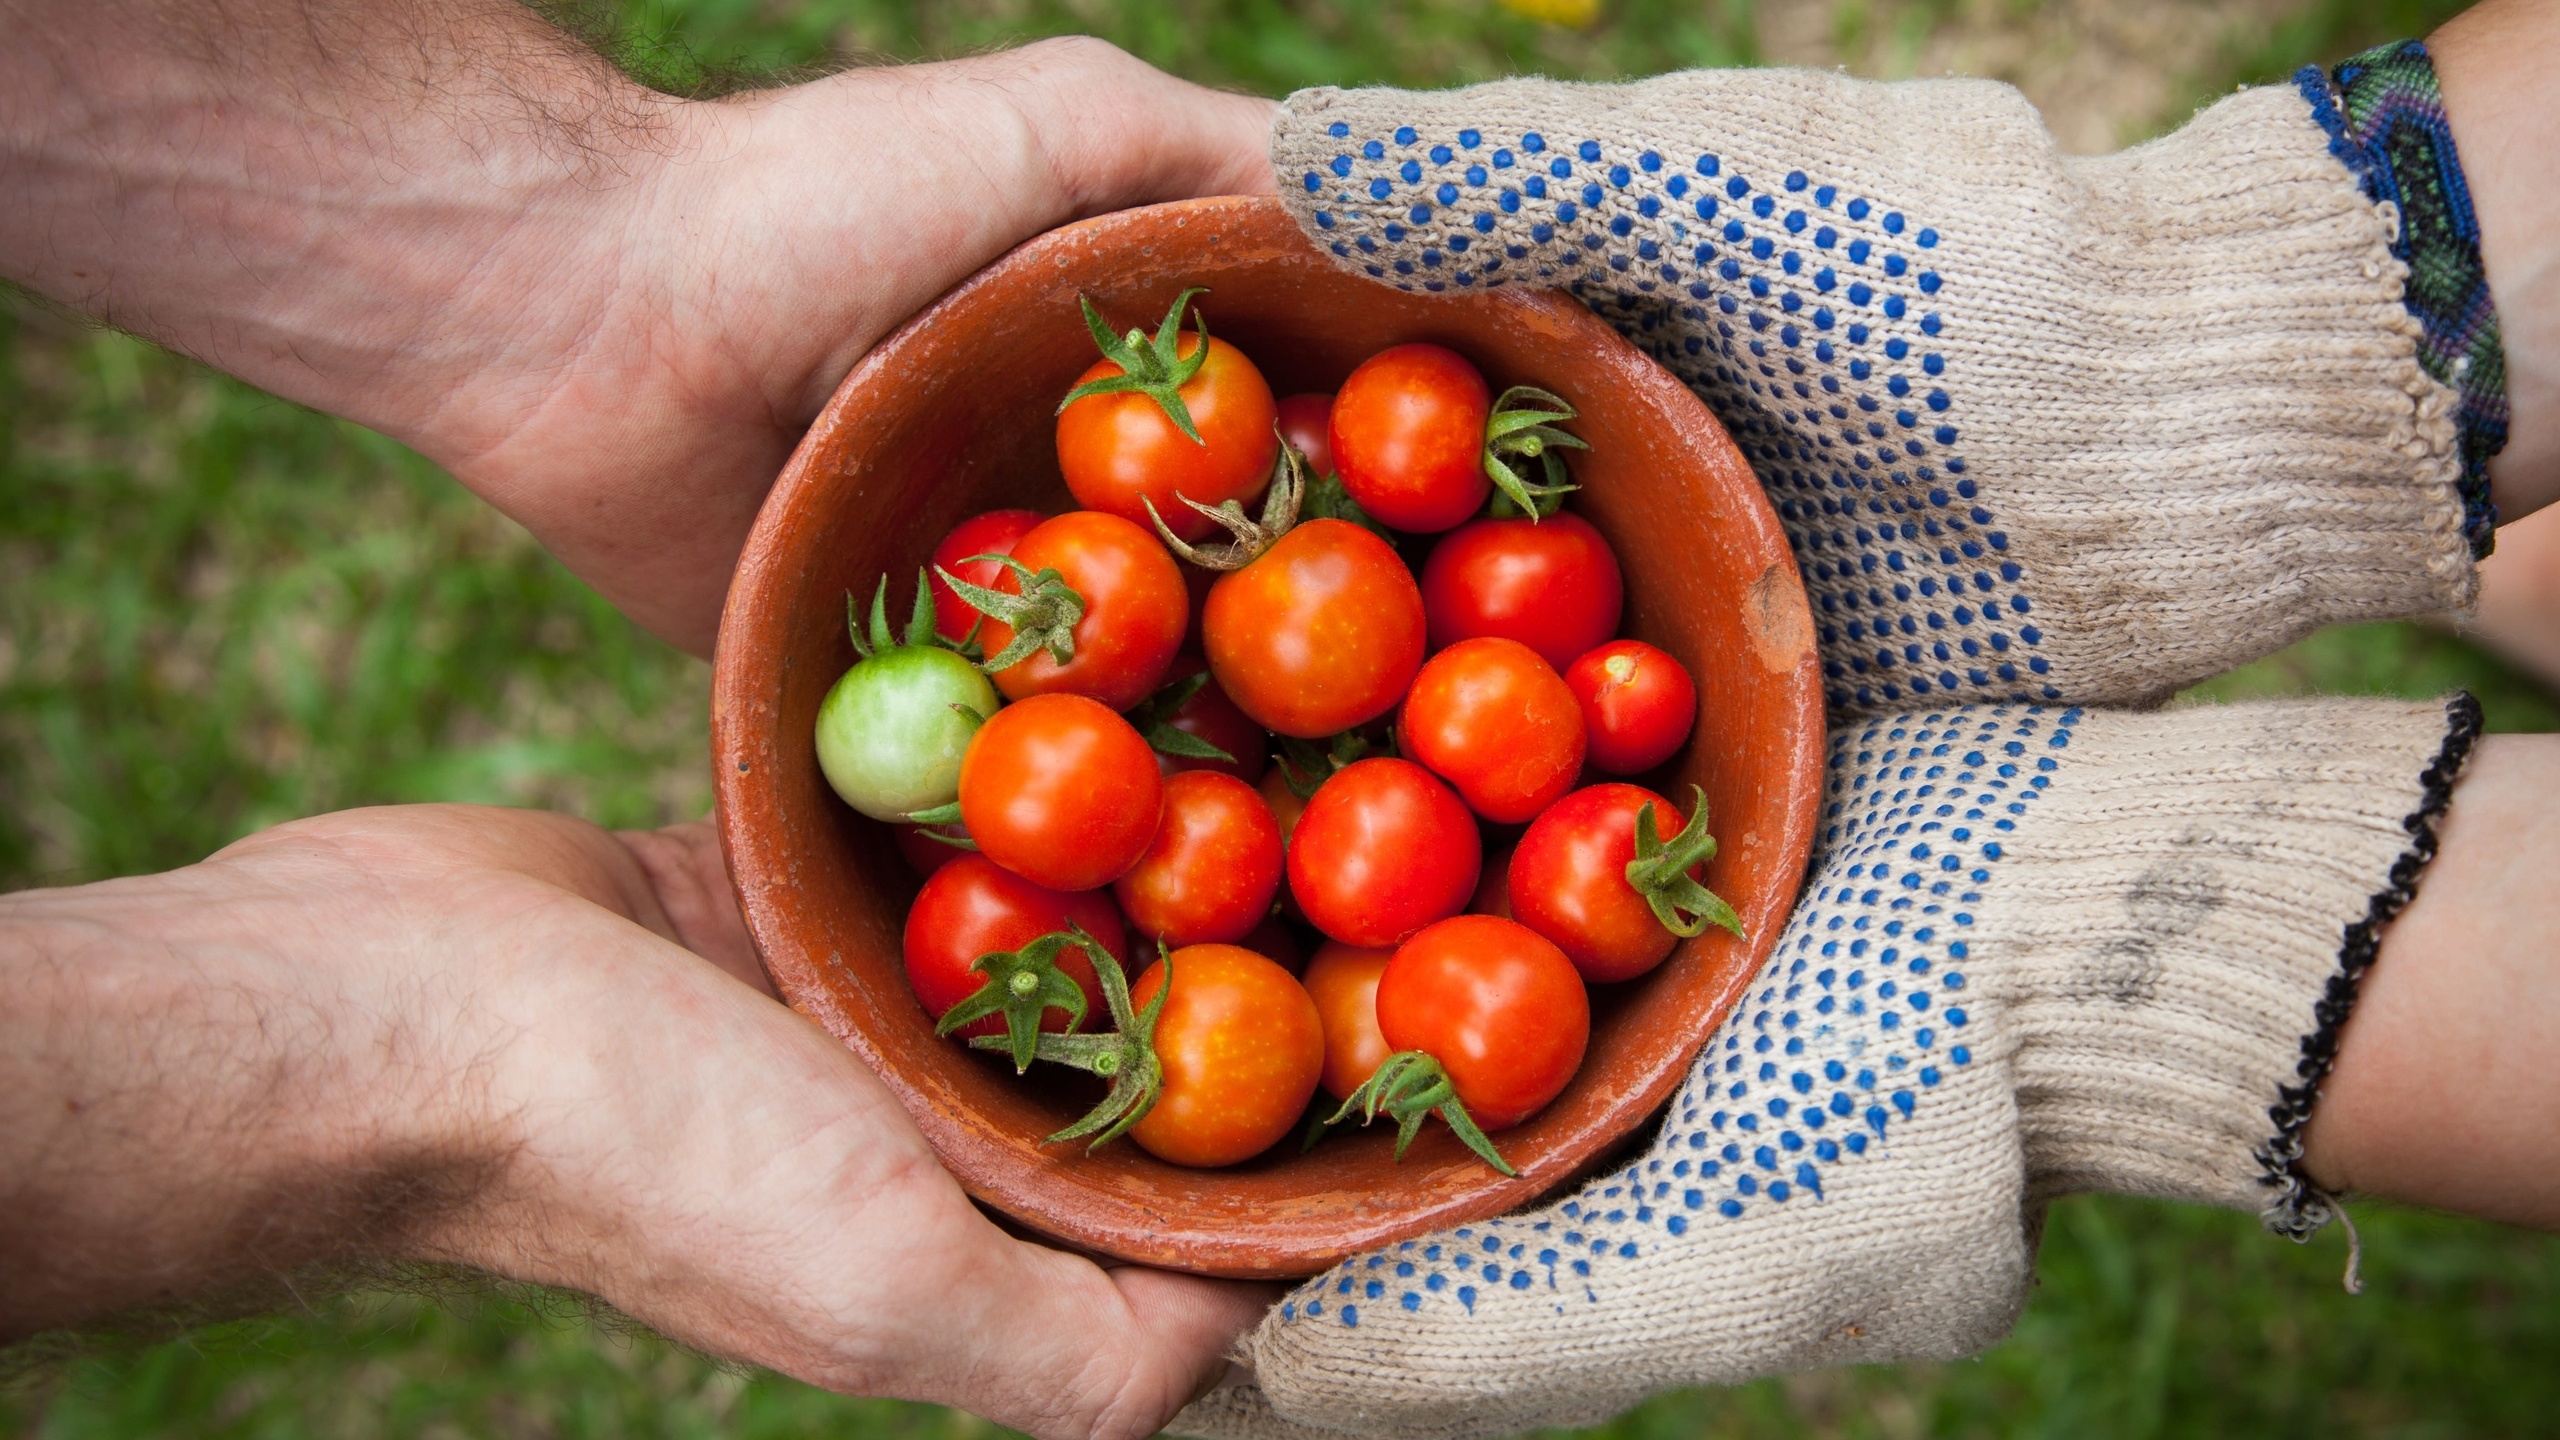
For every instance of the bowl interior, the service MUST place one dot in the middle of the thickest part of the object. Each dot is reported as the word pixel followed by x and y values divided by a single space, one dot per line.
pixel 953 416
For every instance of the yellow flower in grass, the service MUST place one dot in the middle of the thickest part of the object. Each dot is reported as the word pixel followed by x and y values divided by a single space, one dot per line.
pixel 1575 13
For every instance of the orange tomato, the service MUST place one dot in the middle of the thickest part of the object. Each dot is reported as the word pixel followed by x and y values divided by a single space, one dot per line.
pixel 1242 1049
pixel 1407 434
pixel 1135 610
pixel 1122 450
pixel 1060 791
pixel 1343 981
pixel 1321 632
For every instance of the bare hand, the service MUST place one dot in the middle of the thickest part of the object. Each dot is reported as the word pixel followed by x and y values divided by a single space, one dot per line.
pixel 478 1035
pixel 607 311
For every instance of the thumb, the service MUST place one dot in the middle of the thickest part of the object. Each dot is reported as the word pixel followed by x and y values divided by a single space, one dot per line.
pixel 1063 1350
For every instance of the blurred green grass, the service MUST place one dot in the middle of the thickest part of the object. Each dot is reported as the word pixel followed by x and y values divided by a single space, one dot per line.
pixel 218 611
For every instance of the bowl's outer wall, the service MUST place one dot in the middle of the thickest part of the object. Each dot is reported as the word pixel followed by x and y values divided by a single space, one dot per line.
pixel 952 416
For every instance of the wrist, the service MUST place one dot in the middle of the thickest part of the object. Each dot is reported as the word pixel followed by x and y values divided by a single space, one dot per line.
pixel 2209 889
pixel 210 1085
pixel 2495 61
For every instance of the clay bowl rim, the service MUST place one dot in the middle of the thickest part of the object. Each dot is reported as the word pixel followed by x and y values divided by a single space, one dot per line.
pixel 1032 1192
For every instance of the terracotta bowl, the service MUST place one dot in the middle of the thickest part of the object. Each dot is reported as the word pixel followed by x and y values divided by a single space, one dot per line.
pixel 952 416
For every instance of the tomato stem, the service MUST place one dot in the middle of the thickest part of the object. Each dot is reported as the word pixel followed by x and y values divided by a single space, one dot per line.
pixel 1304 767
pixel 1660 872
pixel 1126 1056
pixel 1022 985
pixel 1328 499
pixel 1154 368
pixel 920 628
pixel 943 832
pixel 1522 427
pixel 1408 1086
pixel 1043 616
pixel 1279 514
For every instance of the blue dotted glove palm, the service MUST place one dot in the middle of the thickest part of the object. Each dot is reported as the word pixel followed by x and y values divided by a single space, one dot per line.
pixel 2044 951
pixel 2041 428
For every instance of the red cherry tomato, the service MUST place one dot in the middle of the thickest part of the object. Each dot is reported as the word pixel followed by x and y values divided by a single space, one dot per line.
pixel 1381 851
pixel 1553 585
pixel 1306 421
pixel 1493 888
pixel 1637 705
pixel 923 853
pixel 1211 716
pixel 1500 1008
pixel 1321 632
pixel 1343 981
pixel 994 533
pixel 1135 610
pixel 1496 721
pixel 1569 881
pixel 1213 868
pixel 1242 1050
pixel 1121 451
pixel 1408 437
pixel 1061 791
pixel 973 907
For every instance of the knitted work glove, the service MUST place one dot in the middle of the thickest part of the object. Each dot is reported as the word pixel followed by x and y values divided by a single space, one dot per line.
pixel 2044 951
pixel 2041 428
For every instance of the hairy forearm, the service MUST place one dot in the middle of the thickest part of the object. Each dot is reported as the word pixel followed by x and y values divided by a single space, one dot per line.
pixel 311 194
pixel 187 1110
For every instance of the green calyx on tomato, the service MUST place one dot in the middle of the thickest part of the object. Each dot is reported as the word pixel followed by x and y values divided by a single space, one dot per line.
pixel 1329 499
pixel 1521 429
pixel 1154 719
pixel 920 632
pixel 1153 368
pixel 1043 616
pixel 893 729
pixel 1279 515
pixel 1305 765
pixel 1660 872
pixel 1408 1086
pixel 1021 984
pixel 1125 1056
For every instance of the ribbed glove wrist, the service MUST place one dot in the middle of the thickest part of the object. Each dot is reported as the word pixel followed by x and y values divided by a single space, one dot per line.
pixel 2203 885
pixel 2041 427
pixel 2043 951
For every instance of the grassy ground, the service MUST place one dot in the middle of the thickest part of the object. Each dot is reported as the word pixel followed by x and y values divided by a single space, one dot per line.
pixel 217 611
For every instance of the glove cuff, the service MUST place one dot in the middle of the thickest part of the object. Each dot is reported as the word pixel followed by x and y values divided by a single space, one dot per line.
pixel 1237 1410
pixel 2202 900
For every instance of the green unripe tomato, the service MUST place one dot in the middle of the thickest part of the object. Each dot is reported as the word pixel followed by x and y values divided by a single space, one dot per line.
pixel 888 738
